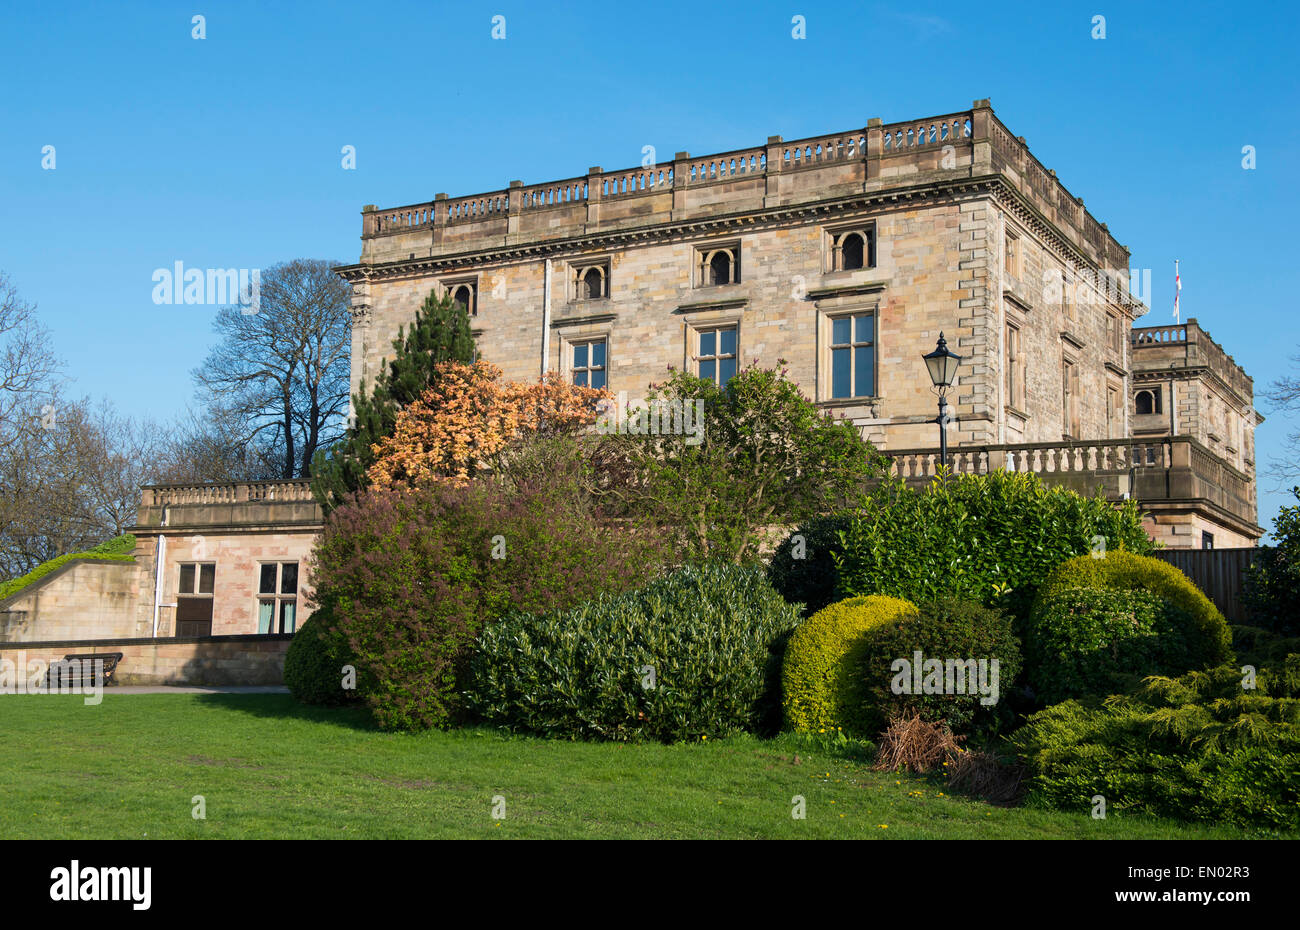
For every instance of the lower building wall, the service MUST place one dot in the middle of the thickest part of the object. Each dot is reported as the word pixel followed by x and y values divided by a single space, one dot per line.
pixel 84 599
pixel 1187 531
pixel 209 660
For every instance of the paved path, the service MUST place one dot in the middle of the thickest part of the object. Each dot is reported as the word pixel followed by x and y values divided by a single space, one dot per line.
pixel 196 689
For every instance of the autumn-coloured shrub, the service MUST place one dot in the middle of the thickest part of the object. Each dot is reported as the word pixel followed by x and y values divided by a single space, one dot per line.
pixel 412 574
pixel 464 423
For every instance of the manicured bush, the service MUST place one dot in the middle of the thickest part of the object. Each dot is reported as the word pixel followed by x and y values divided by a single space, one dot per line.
pixel 1200 747
pixel 413 574
pixel 690 655
pixel 1207 636
pixel 1271 592
pixel 803 566
pixel 1085 642
pixel 821 678
pixel 952 631
pixel 987 538
pixel 313 666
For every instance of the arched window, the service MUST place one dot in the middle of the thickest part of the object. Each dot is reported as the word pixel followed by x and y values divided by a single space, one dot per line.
pixel 1147 401
pixel 593 284
pixel 720 268
pixel 852 251
pixel 463 294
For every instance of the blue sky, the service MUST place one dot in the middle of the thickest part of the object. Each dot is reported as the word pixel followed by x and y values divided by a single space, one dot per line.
pixel 225 152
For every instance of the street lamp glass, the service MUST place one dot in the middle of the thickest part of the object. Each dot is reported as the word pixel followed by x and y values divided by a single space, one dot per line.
pixel 942 364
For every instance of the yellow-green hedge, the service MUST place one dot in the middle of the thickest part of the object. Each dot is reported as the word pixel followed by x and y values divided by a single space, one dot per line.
pixel 821 677
pixel 1209 642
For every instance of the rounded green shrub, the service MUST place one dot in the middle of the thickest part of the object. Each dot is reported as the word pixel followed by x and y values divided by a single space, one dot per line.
pixel 1208 638
pixel 692 654
pixel 313 665
pixel 1084 642
pixel 979 658
pixel 821 678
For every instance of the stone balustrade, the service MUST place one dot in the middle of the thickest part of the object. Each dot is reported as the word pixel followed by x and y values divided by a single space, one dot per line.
pixel 971 143
pixel 227 504
pixel 1158 472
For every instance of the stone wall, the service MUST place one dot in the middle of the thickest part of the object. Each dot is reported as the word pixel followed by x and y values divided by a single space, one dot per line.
pixel 82 599
pixel 212 660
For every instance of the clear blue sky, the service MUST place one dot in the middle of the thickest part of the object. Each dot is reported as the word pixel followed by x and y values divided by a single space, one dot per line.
pixel 225 152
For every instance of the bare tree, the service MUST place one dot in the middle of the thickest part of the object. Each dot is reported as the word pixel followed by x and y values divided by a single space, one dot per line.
pixel 280 376
pixel 28 369
pixel 1283 396
pixel 200 447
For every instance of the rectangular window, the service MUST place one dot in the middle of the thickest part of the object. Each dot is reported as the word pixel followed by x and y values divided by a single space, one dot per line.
pixel 194 598
pixel 1070 399
pixel 1116 334
pixel 277 597
pixel 1011 254
pixel 589 365
pixel 1015 368
pixel 1207 540
pixel 715 356
pixel 853 355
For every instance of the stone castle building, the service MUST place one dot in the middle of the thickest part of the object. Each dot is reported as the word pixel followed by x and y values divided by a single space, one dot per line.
pixel 846 255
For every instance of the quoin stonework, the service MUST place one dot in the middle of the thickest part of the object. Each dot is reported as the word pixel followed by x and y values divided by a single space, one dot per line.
pixel 845 255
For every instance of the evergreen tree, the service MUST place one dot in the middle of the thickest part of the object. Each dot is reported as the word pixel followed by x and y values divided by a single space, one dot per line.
pixel 439 333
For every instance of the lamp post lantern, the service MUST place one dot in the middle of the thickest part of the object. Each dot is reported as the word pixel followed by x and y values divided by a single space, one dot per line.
pixel 942 365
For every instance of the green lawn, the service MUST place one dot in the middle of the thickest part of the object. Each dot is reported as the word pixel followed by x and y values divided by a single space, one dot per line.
pixel 269 767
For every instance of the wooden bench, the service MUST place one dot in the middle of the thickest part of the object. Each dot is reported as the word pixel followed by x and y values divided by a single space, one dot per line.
pixel 62 674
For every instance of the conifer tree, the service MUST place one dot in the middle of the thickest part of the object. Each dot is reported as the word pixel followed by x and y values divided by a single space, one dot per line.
pixel 439 333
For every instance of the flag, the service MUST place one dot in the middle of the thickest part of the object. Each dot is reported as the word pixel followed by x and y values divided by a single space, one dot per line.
pixel 1178 288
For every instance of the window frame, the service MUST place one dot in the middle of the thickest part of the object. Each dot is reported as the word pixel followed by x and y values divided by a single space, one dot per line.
pixel 1013 379
pixel 208 598
pixel 452 285
pixel 578 271
pixel 279 597
pixel 696 331
pixel 833 246
pixel 571 368
pixel 702 272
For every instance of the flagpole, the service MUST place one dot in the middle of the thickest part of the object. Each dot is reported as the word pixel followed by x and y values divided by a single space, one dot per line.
pixel 1178 287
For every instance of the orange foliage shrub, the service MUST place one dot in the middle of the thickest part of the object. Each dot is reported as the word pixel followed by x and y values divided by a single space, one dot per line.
pixel 462 424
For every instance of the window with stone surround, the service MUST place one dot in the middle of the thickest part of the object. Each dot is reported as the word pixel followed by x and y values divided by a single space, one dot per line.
pixel 277 597
pixel 589 363
pixel 852 359
pixel 1015 373
pixel 464 293
pixel 716 352
pixel 1115 329
pixel 1069 398
pixel 717 265
pixel 1011 254
pixel 590 280
pixel 1147 401
pixel 194 598
pixel 852 248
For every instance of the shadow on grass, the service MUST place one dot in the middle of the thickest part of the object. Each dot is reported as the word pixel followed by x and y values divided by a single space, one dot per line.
pixel 286 707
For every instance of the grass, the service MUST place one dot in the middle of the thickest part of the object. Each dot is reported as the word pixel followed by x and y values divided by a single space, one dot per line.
pixel 269 767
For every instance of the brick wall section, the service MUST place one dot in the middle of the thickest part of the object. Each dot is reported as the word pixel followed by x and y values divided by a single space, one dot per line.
pixel 83 599
pixel 231 660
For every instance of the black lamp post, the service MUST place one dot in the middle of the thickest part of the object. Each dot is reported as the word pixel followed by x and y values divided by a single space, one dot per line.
pixel 942 366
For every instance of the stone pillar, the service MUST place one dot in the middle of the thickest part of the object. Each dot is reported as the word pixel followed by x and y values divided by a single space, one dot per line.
pixel 681 180
pixel 875 146
pixel 772 170
pixel 439 218
pixel 595 179
pixel 981 120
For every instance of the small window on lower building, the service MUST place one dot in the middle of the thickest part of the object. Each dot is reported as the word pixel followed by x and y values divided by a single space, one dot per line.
pixel 715 357
pixel 194 598
pixel 589 363
pixel 853 356
pixel 1207 540
pixel 277 597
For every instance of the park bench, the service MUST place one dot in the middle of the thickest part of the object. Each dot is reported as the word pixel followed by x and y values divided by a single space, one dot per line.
pixel 63 674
